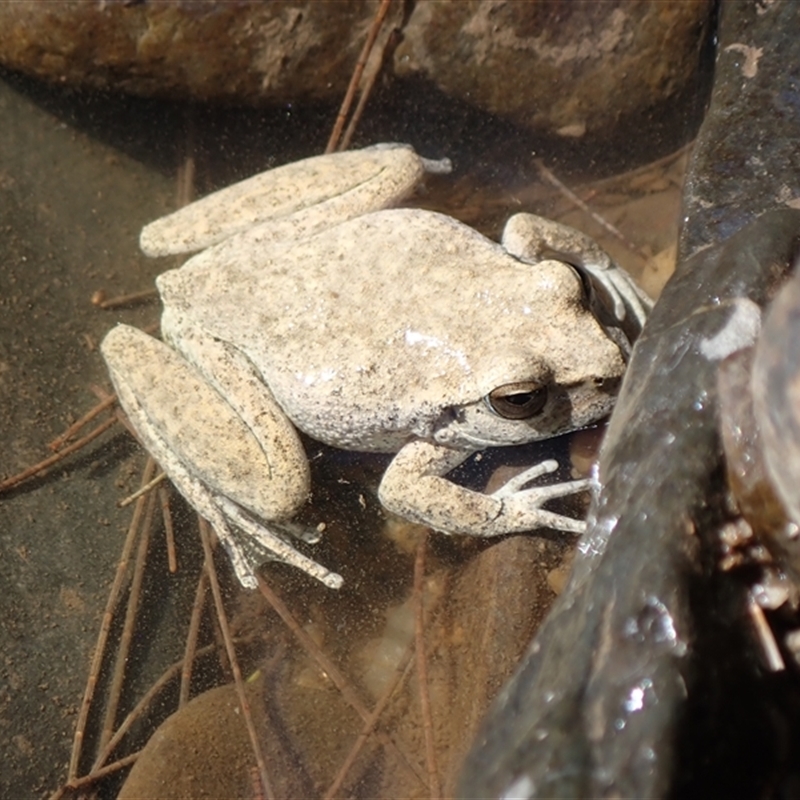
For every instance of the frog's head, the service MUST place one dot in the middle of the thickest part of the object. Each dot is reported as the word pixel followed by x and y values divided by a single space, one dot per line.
pixel 523 398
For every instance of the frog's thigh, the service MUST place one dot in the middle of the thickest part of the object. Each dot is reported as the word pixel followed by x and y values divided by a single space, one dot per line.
pixel 535 238
pixel 293 200
pixel 182 417
pixel 413 487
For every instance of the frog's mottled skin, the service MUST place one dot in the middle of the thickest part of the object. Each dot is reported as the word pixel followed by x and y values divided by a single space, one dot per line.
pixel 397 330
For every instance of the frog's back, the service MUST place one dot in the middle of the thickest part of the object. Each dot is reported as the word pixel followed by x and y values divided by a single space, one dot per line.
pixel 387 318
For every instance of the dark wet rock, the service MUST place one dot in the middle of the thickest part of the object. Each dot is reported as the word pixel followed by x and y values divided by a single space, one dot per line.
pixel 557 67
pixel 742 441
pixel 747 159
pixel 597 704
pixel 775 391
pixel 645 680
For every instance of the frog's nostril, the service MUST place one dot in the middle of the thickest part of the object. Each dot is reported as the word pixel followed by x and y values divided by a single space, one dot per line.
pixel 607 385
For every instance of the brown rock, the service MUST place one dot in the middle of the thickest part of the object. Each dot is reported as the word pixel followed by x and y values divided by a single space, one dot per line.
pixel 203 751
pixel 556 67
pixel 491 614
pixel 475 639
pixel 559 67
pixel 242 50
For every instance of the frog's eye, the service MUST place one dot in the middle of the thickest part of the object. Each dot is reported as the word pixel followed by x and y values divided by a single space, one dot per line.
pixel 518 400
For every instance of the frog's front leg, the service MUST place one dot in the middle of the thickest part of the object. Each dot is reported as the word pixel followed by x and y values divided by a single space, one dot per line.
pixel 414 487
pixel 227 447
pixel 533 238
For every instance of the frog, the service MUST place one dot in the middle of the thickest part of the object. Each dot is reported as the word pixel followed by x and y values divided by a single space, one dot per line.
pixel 315 303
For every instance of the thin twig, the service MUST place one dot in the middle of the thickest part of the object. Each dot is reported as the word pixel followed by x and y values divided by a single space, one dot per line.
pixel 126 501
pixel 121 416
pixel 573 198
pixel 223 661
pixel 169 530
pixel 59 442
pixel 765 636
pixel 97 775
pixel 148 697
pixel 255 785
pixel 366 91
pixel 186 172
pixel 354 80
pixel 108 769
pixel 191 638
pixel 134 298
pixel 422 669
pixel 123 420
pixel 46 463
pixel 126 638
pixel 332 671
pixel 624 177
pixel 171 672
pixel 185 179
pixel 401 673
pixel 205 536
pixel 105 627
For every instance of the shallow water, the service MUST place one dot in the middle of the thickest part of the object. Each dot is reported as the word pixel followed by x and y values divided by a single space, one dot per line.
pixel 79 176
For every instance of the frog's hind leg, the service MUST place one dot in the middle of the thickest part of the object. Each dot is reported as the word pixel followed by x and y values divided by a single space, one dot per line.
pixel 533 239
pixel 229 466
pixel 294 200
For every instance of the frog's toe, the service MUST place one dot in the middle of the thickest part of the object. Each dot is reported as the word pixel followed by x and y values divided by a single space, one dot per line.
pixel 518 482
pixel 558 522
pixel 544 493
pixel 541 494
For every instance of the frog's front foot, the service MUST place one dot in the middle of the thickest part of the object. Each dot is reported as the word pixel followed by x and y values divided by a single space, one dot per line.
pixel 414 486
pixel 525 504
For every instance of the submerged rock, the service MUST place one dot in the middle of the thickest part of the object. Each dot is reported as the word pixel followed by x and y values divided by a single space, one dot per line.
pixel 203 751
